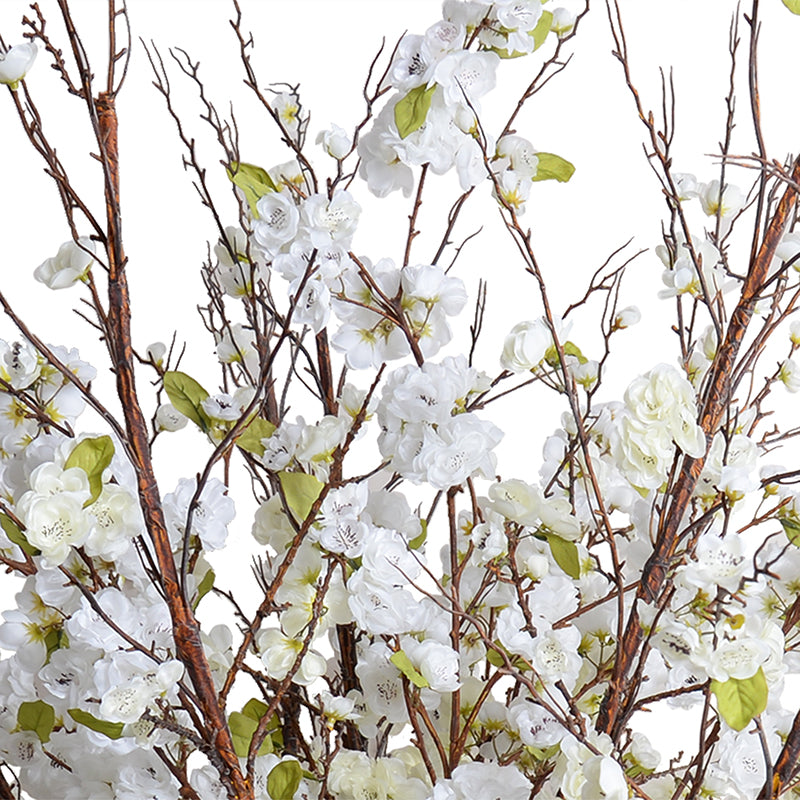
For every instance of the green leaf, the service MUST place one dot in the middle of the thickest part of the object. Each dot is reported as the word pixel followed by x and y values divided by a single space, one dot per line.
pixel 38 717
pixel 565 554
pixel 204 587
pixel 242 729
pixel 254 182
pixel 187 395
pixel 496 660
pixel 301 491
pixel 111 729
pixel 243 725
pixel 92 456
pixel 55 639
pixel 570 349
pixel 403 663
pixel 257 429
pixel 538 34
pixel 284 780
pixel 411 111
pixel 419 540
pixel 790 527
pixel 255 709
pixel 553 167
pixel 792 5
pixel 16 536
pixel 542 29
pixel 740 700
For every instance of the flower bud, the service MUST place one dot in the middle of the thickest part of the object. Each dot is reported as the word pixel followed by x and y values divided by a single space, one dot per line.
pixel 168 418
pixel 68 266
pixel 789 375
pixel 794 333
pixel 626 317
pixel 156 352
pixel 15 63
pixel 526 345
pixel 335 142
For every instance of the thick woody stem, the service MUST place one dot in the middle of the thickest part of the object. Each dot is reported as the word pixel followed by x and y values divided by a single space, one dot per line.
pixel 326 373
pixel 348 658
pixel 621 692
pixel 786 765
pixel 186 630
pixel 7 792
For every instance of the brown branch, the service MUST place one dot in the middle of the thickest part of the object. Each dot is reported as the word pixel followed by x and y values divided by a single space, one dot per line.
pixel 715 404
pixel 186 630
pixel 785 768
pixel 412 219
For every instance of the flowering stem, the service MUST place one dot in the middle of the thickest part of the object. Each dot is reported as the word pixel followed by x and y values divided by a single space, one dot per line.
pixel 612 714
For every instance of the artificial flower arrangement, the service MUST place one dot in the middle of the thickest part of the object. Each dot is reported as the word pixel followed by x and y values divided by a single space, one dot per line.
pixel 424 626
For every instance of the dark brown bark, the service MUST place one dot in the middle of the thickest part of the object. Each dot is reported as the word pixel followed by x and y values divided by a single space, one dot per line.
pixel 186 631
pixel 786 765
pixel 348 658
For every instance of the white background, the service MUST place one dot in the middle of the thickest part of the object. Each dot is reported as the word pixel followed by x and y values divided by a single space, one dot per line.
pixel 585 115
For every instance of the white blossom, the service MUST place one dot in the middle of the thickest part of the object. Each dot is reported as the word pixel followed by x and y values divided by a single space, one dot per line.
pixel 335 141
pixel 168 418
pixel 68 266
pixel 277 221
pixel 16 62
pixel 526 345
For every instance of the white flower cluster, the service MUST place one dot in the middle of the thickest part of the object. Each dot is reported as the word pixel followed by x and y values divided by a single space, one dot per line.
pixel 515 167
pixel 661 413
pixel 382 309
pixel 438 80
pixel 427 430
pixel 432 70
pixel 37 397
pixel 71 511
